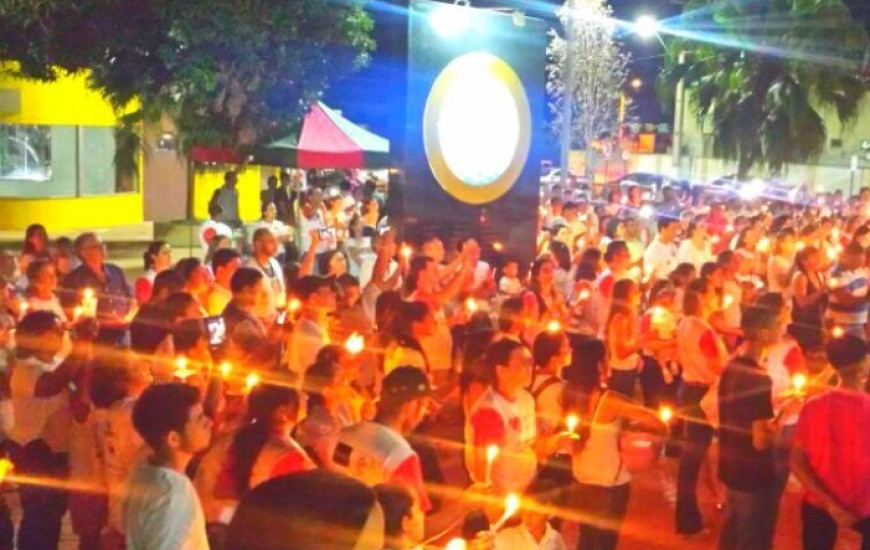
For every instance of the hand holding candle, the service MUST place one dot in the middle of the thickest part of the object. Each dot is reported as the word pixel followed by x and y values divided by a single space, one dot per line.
pixel 251 381
pixel 511 507
pixel 471 306
pixel 6 467
pixel 226 368
pixel 666 414
pixel 799 381
pixel 182 372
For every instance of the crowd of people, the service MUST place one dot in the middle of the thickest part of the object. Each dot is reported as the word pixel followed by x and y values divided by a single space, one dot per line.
pixel 311 382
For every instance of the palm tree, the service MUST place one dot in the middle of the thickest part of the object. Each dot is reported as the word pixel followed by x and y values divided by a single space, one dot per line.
pixel 763 74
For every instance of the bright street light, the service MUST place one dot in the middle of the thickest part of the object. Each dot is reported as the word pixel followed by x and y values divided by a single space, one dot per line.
pixel 646 26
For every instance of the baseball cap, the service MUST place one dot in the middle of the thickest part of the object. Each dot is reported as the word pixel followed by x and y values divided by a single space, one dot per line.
pixel 405 384
pixel 846 351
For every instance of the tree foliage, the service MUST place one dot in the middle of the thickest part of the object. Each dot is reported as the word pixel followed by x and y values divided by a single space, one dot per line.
pixel 763 74
pixel 231 73
pixel 597 73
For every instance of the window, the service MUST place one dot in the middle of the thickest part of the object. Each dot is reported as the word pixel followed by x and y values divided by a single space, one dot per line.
pixel 25 152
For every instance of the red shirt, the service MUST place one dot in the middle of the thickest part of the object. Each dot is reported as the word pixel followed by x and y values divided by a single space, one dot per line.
pixel 832 431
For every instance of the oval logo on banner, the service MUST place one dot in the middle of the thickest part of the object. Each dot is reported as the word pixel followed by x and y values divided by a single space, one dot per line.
pixel 477 128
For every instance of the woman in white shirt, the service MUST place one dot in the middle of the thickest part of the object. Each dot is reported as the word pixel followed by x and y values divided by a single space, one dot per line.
pixel 696 247
pixel 779 265
pixel 42 284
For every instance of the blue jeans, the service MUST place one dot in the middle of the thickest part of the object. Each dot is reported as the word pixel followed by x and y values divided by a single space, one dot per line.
pixel 699 435
pixel 750 519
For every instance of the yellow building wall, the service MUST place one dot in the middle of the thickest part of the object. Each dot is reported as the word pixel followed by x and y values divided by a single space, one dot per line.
pixel 71 213
pixel 207 180
pixel 66 102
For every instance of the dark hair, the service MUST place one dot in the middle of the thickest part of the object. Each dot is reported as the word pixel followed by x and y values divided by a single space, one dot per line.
pixel 315 509
pixel 250 439
pixel 846 351
pixel 223 257
pixel 682 271
pixel 663 222
pixel 347 280
pixel 510 309
pixel 614 248
pixel 187 334
pixel 32 231
pixel 724 258
pixel 260 233
pixel 774 301
pixel 498 354
pixel 163 409
pixel 587 269
pixel 386 307
pixel 318 377
pixel 561 254
pixel 472 359
pixel 109 383
pixel 547 346
pixel 396 502
pixel 324 260
pixel 176 304
pixel 307 286
pixel 418 265
pixel 407 314
pixel 245 278
pixel 692 297
pixel 151 252
pixel 756 319
pixel 611 227
pixel 167 282
pixel 187 267
pixel 32 328
pixel 707 269
pixel 35 267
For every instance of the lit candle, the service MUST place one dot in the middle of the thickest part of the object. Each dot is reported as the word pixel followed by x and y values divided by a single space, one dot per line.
pixel 407 252
pixel 511 507
pixel 294 306
pixel 226 368
pixel 831 254
pixel 280 300
pixel 729 228
pixel 471 306
pixel 355 344
pixel 491 454
pixel 835 234
pixel 838 332
pixel 658 315
pixel 78 312
pixel 554 326
pixel 833 282
pixel 623 200
pixel 763 244
pixel 24 307
pixel 666 414
pixel 759 284
pixel 251 381
pixel 89 303
pixel 181 370
pixel 727 301
pixel 799 381
pixel 715 239
pixel 456 544
pixel 497 246
pixel 800 245
pixel 584 295
pixel 635 272
pixel 571 423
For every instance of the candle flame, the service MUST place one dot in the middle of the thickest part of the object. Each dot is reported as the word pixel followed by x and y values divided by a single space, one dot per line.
pixel 226 368
pixel 554 326
pixel 764 244
pixel 727 301
pixel 497 246
pixel 666 414
pixel 355 344
pixel 294 305
pixel 800 245
pixel 571 423
pixel 407 251
pixel 584 294
pixel 729 228
pixel 471 305
pixel 838 332
pixel 6 467
pixel 456 544
pixel 252 380
pixel 799 381
pixel 511 505
pixel 492 453
pixel 88 294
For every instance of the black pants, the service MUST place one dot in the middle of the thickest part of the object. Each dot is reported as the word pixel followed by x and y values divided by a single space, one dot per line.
pixel 699 435
pixel 44 505
pixel 602 510
pixel 656 392
pixel 623 381
pixel 820 529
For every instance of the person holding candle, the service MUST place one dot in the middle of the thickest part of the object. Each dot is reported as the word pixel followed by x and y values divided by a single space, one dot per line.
pixel 41 288
pixel 600 490
pixel 310 332
pixel 534 531
pixel 224 264
pixel 551 353
pixel 659 324
pixel 377 452
pixel 623 338
pixel 702 355
pixel 747 437
pixel 831 446
pixel 249 341
pixel 848 291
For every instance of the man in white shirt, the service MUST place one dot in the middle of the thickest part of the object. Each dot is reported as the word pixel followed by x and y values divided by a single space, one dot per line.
pixel 263 260
pixel 660 257
pixel 535 531
pixel 310 333
pixel 162 509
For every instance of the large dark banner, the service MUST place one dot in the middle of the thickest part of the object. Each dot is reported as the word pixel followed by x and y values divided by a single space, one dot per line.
pixel 475 110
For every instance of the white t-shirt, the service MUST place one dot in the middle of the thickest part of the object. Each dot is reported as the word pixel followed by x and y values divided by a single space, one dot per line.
pixel 689 253
pixel 52 305
pixel 211 229
pixel 306 341
pixel 275 280
pixel 46 418
pixel 519 538
pixel 659 259
pixel 163 511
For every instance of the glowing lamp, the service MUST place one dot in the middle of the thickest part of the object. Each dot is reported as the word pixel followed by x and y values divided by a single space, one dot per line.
pixel 450 21
pixel 355 344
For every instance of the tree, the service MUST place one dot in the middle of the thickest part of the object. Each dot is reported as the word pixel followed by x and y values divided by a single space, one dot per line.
pixel 592 74
pixel 231 73
pixel 766 74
